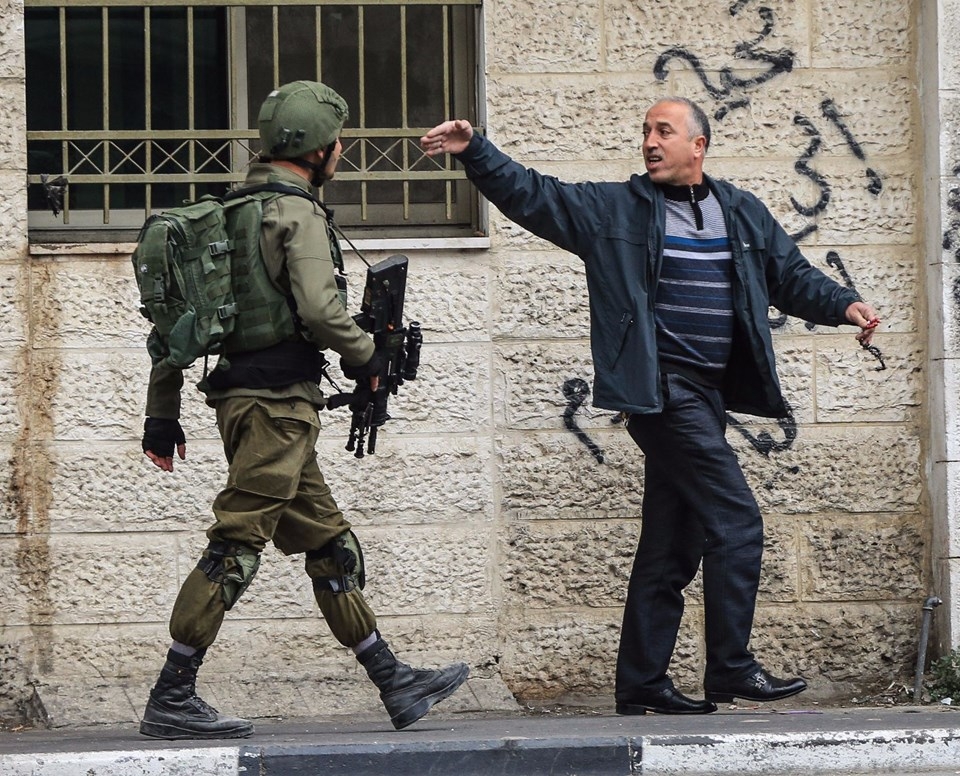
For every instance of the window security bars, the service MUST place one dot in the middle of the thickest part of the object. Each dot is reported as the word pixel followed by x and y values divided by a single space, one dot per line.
pixel 141 105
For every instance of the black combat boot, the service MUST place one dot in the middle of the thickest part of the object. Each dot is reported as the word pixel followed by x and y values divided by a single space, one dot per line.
pixel 176 711
pixel 408 693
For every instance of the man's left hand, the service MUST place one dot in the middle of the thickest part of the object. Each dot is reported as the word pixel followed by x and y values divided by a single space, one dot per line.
pixel 863 315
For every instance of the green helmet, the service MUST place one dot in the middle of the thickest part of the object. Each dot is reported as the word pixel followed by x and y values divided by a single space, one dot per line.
pixel 300 117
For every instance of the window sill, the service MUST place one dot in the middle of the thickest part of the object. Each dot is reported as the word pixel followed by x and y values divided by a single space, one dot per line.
pixel 363 244
pixel 418 243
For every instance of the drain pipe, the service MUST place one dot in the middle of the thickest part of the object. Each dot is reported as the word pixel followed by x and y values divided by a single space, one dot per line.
pixel 928 606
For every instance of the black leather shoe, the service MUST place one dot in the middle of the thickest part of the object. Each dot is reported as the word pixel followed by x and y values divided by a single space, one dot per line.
pixel 757 686
pixel 669 700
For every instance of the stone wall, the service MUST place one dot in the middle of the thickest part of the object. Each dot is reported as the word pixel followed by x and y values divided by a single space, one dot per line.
pixel 23 520
pixel 940 50
pixel 493 532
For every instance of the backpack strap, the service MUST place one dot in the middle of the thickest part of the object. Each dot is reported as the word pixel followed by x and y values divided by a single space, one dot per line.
pixel 333 228
pixel 277 188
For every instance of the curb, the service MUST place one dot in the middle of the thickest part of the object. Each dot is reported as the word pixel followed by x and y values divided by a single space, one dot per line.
pixel 744 743
pixel 219 761
pixel 890 751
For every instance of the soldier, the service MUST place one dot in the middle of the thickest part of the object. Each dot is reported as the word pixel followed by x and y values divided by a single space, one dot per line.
pixel 267 405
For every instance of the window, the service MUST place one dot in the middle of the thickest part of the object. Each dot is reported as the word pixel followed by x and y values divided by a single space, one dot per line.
pixel 141 107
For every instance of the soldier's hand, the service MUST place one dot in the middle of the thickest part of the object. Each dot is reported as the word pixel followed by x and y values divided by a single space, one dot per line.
pixel 361 397
pixel 160 437
pixel 371 369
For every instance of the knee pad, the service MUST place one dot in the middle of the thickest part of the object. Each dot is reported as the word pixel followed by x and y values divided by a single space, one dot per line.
pixel 346 557
pixel 230 565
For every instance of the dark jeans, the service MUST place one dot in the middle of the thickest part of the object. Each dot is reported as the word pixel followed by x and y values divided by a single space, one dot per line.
pixel 697 507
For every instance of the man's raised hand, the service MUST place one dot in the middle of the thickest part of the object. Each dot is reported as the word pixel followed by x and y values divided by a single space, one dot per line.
pixel 450 137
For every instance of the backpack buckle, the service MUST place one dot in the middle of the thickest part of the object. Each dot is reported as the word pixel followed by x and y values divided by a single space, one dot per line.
pixel 220 247
pixel 227 311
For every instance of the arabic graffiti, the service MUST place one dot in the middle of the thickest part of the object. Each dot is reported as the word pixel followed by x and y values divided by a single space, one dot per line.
pixel 834 260
pixel 874 182
pixel 765 444
pixel 576 391
pixel 830 111
pixel 731 90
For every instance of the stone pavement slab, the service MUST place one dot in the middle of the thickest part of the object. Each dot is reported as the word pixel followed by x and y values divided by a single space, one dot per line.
pixel 794 742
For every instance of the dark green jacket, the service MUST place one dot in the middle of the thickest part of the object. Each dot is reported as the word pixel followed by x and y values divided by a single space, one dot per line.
pixel 617 229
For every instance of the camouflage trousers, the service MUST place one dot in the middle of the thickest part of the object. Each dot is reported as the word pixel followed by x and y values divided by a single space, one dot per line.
pixel 274 493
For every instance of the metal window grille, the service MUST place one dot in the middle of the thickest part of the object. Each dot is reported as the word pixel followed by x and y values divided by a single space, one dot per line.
pixel 142 105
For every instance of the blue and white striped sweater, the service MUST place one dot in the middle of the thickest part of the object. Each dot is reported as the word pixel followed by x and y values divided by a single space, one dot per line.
pixel 694 302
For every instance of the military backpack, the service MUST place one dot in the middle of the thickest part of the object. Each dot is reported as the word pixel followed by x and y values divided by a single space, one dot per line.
pixel 203 283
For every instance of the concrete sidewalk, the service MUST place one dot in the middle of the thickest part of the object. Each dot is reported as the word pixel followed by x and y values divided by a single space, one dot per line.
pixel 734 740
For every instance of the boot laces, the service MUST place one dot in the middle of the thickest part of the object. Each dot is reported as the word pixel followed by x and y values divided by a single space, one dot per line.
pixel 201 705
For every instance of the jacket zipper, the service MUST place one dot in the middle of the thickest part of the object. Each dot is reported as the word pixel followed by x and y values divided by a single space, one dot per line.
pixel 697 212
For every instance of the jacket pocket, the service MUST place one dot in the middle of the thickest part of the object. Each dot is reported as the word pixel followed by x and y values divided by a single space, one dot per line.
pixel 626 322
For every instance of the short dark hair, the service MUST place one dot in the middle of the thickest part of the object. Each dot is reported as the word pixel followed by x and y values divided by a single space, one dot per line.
pixel 699 123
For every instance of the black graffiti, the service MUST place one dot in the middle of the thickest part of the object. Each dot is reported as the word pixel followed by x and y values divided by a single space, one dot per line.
pixel 731 91
pixel 874 182
pixel 874 351
pixel 576 391
pixel 802 166
pixel 765 444
pixel 730 85
pixel 951 237
pixel 803 233
pixel 834 260
pixel 829 109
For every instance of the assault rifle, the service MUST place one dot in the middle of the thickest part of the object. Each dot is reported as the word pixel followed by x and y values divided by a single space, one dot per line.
pixel 381 315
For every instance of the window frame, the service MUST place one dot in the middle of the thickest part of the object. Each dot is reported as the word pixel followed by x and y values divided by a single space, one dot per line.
pixel 457 217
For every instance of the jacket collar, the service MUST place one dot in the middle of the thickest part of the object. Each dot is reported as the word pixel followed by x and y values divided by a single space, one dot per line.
pixel 685 193
pixel 728 194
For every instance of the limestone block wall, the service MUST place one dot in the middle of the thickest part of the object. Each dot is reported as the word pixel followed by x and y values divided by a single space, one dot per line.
pixel 941 104
pixel 19 467
pixel 500 513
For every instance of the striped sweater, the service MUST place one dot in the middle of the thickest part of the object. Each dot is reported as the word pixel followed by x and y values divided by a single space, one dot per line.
pixel 694 302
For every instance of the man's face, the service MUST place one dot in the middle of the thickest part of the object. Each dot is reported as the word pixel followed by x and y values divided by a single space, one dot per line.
pixel 670 154
pixel 330 168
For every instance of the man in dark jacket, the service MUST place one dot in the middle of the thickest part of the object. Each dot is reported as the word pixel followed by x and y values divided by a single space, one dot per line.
pixel 681 270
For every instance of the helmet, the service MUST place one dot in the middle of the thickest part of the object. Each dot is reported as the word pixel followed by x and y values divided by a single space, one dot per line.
pixel 300 117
